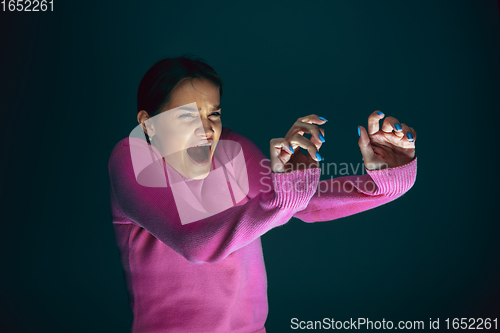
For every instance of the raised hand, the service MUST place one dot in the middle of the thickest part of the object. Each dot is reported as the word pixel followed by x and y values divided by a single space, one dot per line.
pixel 285 152
pixel 392 146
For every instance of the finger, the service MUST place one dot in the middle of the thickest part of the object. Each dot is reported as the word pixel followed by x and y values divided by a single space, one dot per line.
pixel 365 145
pixel 407 141
pixel 414 133
pixel 373 121
pixel 301 127
pixel 283 145
pixel 313 119
pixel 280 150
pixel 299 141
pixel 391 124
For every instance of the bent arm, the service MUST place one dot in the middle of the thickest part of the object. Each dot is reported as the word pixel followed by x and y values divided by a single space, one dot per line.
pixel 215 237
pixel 344 196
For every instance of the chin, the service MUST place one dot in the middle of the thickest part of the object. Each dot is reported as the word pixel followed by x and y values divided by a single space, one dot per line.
pixel 201 175
pixel 195 171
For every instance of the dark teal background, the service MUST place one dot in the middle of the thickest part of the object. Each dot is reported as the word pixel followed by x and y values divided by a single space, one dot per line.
pixel 69 81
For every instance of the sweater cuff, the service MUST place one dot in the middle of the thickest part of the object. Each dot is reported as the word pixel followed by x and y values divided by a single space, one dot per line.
pixel 394 181
pixel 295 189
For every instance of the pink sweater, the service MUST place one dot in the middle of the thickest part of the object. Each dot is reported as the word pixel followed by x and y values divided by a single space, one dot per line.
pixel 209 275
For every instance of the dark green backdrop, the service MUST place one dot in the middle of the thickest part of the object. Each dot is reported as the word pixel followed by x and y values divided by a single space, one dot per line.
pixel 68 95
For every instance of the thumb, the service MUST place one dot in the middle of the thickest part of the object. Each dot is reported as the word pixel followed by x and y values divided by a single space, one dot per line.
pixel 365 145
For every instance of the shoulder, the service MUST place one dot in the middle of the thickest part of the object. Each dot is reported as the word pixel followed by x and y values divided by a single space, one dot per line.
pixel 229 134
pixel 119 147
pixel 253 163
pixel 248 147
pixel 246 143
pixel 132 148
pixel 253 156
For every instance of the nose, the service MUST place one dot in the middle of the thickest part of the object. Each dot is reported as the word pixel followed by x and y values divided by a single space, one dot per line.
pixel 206 131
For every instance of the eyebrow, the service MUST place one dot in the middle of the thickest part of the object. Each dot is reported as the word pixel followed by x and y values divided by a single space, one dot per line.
pixel 215 108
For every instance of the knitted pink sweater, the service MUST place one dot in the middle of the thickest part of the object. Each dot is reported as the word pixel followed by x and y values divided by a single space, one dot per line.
pixel 209 275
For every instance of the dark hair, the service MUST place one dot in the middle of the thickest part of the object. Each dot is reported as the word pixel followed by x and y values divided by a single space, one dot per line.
pixel 157 85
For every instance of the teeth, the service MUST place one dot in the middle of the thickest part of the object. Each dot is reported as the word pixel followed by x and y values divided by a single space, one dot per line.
pixel 204 145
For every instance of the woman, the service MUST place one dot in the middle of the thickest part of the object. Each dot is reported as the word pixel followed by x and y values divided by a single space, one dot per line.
pixel 188 222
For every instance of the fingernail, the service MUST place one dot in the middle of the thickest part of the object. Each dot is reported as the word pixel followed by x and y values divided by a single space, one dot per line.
pixel 380 113
pixel 410 136
pixel 318 156
pixel 321 137
pixel 323 118
pixel 359 132
pixel 291 148
pixel 398 127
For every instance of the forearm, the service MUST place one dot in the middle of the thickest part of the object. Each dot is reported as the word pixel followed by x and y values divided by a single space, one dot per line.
pixel 344 196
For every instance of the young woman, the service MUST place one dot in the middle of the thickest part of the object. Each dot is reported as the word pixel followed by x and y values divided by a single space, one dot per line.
pixel 189 228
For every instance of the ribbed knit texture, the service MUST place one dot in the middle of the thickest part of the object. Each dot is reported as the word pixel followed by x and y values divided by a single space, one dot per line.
pixel 209 275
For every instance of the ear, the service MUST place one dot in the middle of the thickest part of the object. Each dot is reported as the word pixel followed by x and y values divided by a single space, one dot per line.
pixel 147 126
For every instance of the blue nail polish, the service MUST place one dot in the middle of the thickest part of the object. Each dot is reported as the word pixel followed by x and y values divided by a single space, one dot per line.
pixel 323 118
pixel 318 156
pixel 380 113
pixel 321 137
pixel 410 136
pixel 291 148
pixel 398 127
pixel 359 132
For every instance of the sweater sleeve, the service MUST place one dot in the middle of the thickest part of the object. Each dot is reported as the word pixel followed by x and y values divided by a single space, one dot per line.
pixel 215 237
pixel 344 196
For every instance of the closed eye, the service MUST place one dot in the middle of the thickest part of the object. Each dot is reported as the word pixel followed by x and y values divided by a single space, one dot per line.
pixel 215 114
pixel 187 115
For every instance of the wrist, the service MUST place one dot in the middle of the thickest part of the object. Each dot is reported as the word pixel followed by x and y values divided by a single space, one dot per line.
pixel 295 188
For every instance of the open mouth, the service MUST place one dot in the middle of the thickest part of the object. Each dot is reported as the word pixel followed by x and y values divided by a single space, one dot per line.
pixel 200 154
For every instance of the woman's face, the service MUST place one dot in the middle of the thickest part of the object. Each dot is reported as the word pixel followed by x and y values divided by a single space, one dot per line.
pixel 187 137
